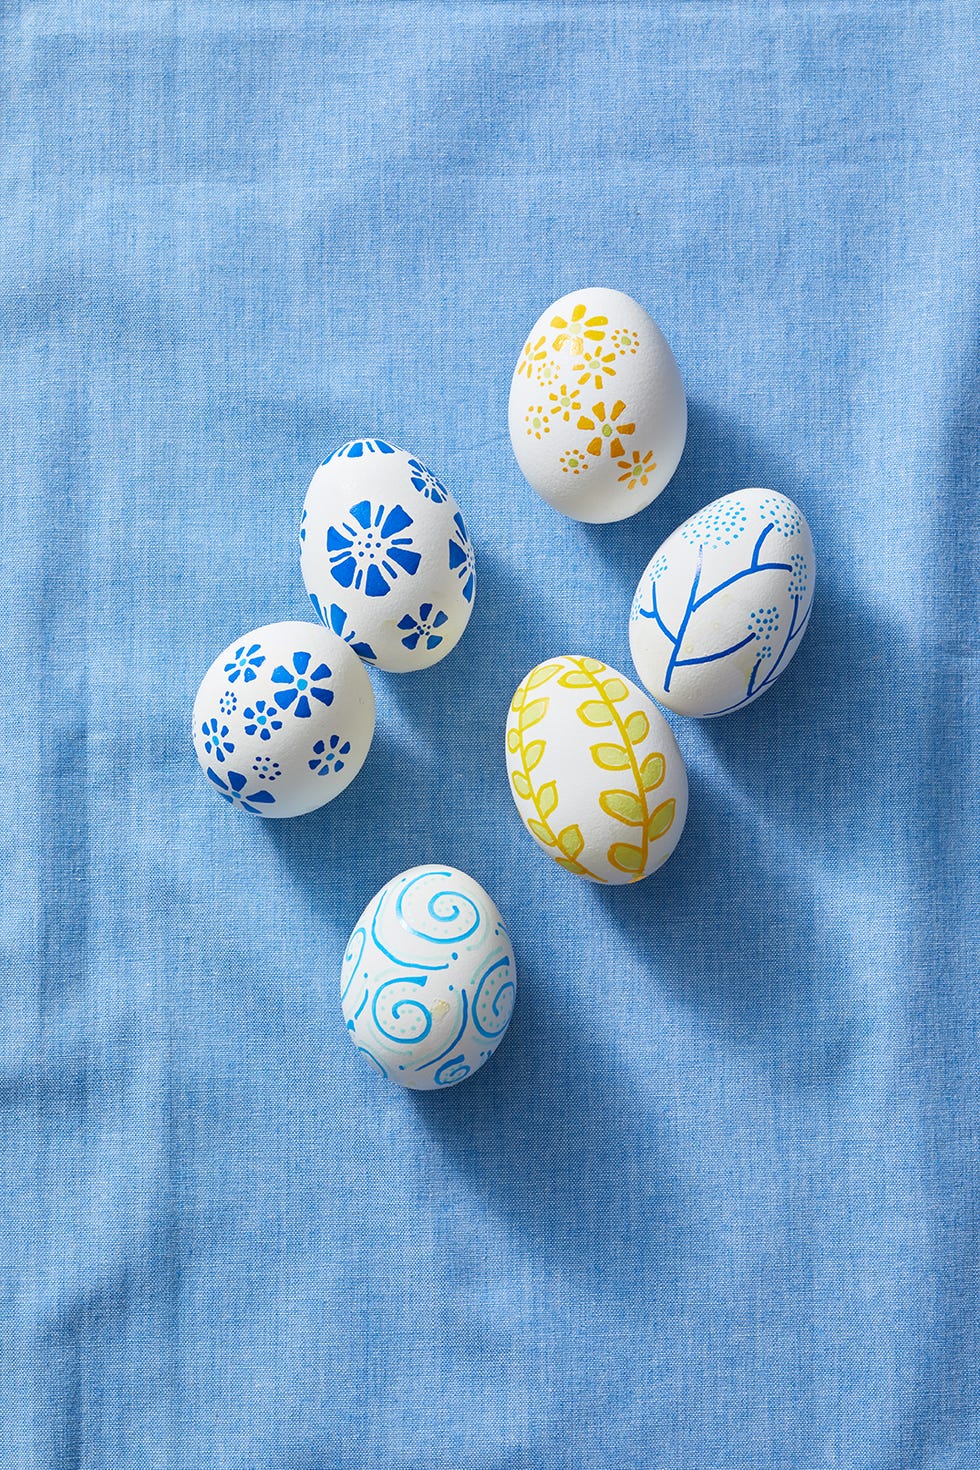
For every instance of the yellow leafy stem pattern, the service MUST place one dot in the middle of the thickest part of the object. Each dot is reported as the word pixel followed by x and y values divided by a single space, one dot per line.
pixel 599 711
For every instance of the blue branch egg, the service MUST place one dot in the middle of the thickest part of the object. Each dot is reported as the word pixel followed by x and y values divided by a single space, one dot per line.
pixel 427 983
pixel 722 606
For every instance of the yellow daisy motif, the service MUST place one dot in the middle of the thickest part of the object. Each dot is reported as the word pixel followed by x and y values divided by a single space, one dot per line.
pixel 537 421
pixel 566 402
pixel 578 329
pixel 637 469
pixel 625 341
pixel 607 428
pixel 574 462
pixel 594 365
pixel 547 372
pixel 533 354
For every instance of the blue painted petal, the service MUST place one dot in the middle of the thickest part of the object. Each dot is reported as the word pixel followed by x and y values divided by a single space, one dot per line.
pixel 313 764
pixel 213 775
pixel 250 674
pixel 285 697
pixel 457 556
pixel 396 520
pixel 325 696
pixel 412 639
pixel 460 526
pixel 362 513
pixel 364 650
pixel 434 640
pixel 301 661
pixel 339 766
pixel 266 798
pixel 407 559
pixel 236 780
pixel 375 586
pixel 316 607
pixel 345 748
pixel 336 541
pixel 385 448
pixel 281 676
pixel 344 571
pixel 232 676
pixel 440 618
pixel 337 618
pixel 406 623
pixel 468 589
pixel 355 450
pixel 320 672
pixel 425 610
pixel 302 710
pixel 254 649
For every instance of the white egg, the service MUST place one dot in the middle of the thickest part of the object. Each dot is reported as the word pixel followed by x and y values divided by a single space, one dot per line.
pixel 722 606
pixel 283 719
pixel 427 984
pixel 597 415
pixel 386 557
pixel 595 770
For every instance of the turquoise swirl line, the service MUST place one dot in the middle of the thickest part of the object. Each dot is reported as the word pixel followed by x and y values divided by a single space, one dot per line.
pixel 492 1035
pixel 405 1001
pixel 397 959
pixel 451 1044
pixel 438 1079
pixel 362 933
pixel 430 909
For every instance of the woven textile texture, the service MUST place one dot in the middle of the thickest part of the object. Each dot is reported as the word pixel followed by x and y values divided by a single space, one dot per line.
pixel 714 1204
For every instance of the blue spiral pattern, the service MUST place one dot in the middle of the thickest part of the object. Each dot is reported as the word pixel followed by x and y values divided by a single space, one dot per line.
pixel 427 981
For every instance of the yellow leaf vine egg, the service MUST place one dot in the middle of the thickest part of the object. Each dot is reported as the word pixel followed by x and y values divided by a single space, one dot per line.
pixel 595 770
pixel 598 416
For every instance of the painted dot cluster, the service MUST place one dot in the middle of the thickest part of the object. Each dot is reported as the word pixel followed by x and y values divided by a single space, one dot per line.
pixel 763 624
pixel 800 580
pixel 719 524
pixel 782 512
pixel 228 702
pixel 267 770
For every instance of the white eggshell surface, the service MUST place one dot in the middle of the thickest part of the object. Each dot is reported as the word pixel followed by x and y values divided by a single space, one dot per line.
pixel 722 606
pixel 283 719
pixel 597 413
pixel 595 770
pixel 427 985
pixel 386 557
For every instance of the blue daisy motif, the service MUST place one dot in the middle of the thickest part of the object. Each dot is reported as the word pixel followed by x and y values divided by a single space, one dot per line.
pixel 423 627
pixel 358 448
pixel 302 683
pixel 233 791
pixel 245 662
pixel 369 548
pixel 216 740
pixel 329 755
pixel 262 720
pixel 426 483
pixel 461 558
pixel 336 620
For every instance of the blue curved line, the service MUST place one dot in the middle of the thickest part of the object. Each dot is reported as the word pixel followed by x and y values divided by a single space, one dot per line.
pixel 396 959
pixel 405 1001
pixel 452 1043
pixel 762 566
pixel 691 606
pixel 758 545
pixel 709 658
pixel 362 933
pixel 492 1035
pixel 371 1057
pixel 362 1004
pixel 655 613
pixel 451 1063
pixel 436 938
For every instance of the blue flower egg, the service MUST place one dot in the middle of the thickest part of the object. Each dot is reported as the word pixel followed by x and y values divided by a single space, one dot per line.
pixel 386 557
pixel 427 982
pixel 283 720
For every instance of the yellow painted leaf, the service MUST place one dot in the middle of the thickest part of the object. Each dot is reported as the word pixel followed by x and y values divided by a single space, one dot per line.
pixel 625 806
pixel 615 690
pixel 626 858
pixel 533 754
pixel 547 798
pixel 595 713
pixel 652 771
pixel 541 675
pixel 610 757
pixel 575 679
pixel 541 832
pixel 519 696
pixel 521 784
pixel 570 864
pixel 532 713
pixel 594 665
pixel 513 739
pixel 637 727
pixel 662 819
pixel 571 841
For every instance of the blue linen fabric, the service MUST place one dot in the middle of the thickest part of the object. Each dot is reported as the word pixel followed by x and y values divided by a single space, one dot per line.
pixel 713 1205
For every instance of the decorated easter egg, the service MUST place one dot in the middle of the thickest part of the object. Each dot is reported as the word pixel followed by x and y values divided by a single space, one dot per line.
pixel 722 606
pixel 386 557
pixel 597 416
pixel 595 771
pixel 427 984
pixel 283 719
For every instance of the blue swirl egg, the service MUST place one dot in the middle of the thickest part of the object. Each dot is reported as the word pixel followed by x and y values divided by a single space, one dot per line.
pixel 427 984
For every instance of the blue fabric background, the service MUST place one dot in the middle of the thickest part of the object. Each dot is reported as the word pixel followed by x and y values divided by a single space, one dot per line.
pixel 714 1204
